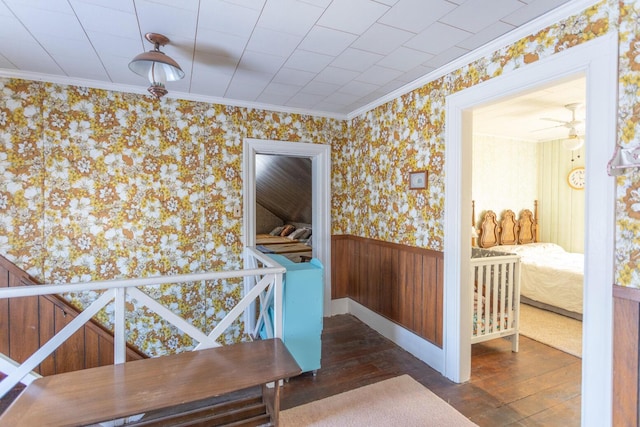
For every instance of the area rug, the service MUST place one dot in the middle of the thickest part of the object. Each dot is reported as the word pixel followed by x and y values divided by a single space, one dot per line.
pixel 399 401
pixel 552 329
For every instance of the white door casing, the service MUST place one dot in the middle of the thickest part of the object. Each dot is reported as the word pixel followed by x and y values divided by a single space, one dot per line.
pixel 597 60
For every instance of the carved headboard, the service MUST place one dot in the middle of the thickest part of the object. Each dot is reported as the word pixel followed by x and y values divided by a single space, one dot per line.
pixel 508 230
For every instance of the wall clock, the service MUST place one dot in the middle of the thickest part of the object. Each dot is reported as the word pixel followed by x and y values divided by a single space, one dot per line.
pixel 576 178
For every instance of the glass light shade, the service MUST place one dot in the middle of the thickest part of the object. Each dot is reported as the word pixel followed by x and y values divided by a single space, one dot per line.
pixel 156 63
pixel 573 142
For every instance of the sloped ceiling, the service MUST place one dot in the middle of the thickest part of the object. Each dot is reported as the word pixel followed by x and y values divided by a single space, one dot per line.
pixel 283 186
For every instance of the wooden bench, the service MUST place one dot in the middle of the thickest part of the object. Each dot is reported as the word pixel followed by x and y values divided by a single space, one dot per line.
pixel 113 392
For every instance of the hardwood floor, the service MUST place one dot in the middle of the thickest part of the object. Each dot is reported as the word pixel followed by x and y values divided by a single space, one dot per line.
pixel 538 386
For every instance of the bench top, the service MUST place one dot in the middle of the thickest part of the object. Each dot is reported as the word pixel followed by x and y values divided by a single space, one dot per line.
pixel 117 391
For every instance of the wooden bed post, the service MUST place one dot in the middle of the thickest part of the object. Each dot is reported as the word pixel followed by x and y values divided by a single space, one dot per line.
pixel 535 221
pixel 473 223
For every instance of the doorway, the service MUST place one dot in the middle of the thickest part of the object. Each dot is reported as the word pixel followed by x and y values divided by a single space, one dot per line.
pixel 597 59
pixel 320 156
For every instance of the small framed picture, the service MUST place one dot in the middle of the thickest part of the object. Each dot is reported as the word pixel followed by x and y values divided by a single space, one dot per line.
pixel 418 180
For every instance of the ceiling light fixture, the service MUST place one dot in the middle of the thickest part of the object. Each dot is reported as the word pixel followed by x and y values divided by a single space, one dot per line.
pixel 573 141
pixel 156 66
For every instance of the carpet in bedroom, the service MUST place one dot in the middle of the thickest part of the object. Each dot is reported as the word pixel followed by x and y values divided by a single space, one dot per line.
pixel 399 401
pixel 555 330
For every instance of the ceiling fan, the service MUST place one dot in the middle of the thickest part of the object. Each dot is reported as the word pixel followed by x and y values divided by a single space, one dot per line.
pixel 573 140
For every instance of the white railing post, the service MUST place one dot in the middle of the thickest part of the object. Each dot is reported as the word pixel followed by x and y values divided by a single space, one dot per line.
pixel 119 331
pixel 277 306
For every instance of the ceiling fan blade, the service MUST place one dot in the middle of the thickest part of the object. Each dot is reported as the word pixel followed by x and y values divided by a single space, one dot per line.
pixel 554 120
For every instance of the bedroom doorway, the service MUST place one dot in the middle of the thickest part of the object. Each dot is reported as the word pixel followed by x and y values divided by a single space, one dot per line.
pixel 597 60
pixel 320 156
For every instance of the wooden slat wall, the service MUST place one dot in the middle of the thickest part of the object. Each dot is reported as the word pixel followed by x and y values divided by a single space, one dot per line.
pixel 402 283
pixel 28 323
pixel 626 351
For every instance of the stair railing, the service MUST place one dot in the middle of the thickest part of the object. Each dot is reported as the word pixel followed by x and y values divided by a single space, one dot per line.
pixel 266 278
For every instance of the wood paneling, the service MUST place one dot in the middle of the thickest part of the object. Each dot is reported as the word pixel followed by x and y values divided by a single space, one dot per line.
pixel 28 323
pixel 401 283
pixel 626 350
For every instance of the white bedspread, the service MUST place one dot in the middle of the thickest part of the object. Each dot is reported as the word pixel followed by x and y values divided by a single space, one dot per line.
pixel 549 274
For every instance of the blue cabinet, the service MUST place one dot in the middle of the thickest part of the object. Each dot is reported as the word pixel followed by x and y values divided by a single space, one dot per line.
pixel 302 311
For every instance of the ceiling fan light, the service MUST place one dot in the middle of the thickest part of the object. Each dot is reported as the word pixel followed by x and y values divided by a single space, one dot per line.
pixel 573 142
pixel 157 67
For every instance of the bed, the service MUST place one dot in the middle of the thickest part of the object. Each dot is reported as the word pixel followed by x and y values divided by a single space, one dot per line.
pixel 295 245
pixel 551 278
pixel 496 296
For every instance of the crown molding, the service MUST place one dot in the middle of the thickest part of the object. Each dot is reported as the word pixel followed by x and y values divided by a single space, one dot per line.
pixel 570 8
pixel 96 84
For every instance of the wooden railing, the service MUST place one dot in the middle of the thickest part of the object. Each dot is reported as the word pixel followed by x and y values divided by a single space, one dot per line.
pixel 267 279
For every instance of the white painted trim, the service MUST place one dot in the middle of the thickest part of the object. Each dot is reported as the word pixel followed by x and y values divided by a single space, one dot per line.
pixel 339 306
pixel 598 60
pixel 320 155
pixel 532 27
pixel 141 90
pixel 417 346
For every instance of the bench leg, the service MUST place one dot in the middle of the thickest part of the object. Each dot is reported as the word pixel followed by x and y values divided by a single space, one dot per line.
pixel 271 399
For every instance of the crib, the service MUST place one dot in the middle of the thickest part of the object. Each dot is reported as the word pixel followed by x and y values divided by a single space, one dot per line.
pixel 496 296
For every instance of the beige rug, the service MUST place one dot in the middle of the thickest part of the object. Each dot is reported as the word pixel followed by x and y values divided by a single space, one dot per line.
pixel 555 330
pixel 399 401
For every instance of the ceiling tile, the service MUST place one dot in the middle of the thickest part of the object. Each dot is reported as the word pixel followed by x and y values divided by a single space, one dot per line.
pixel 320 88
pixel 336 75
pixel 29 55
pixel 209 81
pixel 382 39
pixel 282 88
pixel 445 57
pixel 261 62
pixel 378 75
pixel 308 61
pixel 356 60
pixel 404 59
pixel 437 38
pixel 294 77
pixel 486 35
pixel 107 20
pixel 273 42
pixel 42 22
pixel 358 88
pixel 342 98
pixel 173 22
pixel 217 64
pixel 227 17
pixel 123 5
pixel 415 73
pixel 531 11
pixel 342 15
pixel 221 44
pixel 303 100
pixel 5 63
pixel 474 15
pixel 85 67
pixel 320 3
pixel 327 41
pixel 273 98
pixel 111 44
pixel 249 4
pixel 416 15
pixel 290 16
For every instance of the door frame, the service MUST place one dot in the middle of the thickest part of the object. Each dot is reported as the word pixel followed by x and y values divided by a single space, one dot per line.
pixel 597 60
pixel 320 156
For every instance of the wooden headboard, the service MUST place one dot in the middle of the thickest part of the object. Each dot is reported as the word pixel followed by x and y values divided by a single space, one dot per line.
pixel 507 230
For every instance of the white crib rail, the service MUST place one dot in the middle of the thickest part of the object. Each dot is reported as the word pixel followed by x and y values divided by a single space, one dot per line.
pixel 496 298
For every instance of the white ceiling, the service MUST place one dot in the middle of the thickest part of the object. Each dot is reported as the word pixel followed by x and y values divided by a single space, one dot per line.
pixel 535 115
pixel 327 56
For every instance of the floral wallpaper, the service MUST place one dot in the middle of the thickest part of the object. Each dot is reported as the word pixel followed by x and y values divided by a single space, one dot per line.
pixel 99 184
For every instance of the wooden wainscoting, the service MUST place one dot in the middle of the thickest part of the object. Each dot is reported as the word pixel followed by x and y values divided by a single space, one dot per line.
pixel 27 323
pixel 401 283
pixel 626 350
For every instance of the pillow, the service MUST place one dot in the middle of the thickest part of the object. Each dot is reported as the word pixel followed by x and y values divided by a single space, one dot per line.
pixel 297 234
pixel 307 233
pixel 276 231
pixel 286 230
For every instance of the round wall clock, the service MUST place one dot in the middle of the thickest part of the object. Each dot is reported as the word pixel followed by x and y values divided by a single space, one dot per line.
pixel 576 178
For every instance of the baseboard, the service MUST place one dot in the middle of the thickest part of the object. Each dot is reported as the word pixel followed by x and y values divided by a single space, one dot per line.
pixel 417 346
pixel 339 306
